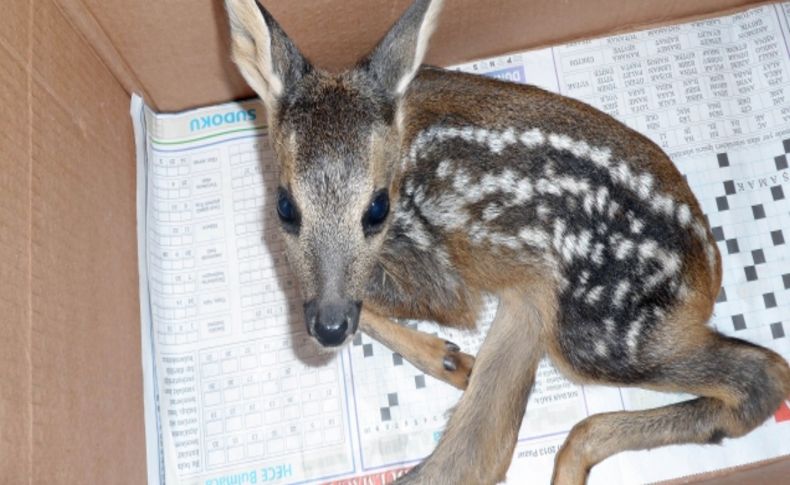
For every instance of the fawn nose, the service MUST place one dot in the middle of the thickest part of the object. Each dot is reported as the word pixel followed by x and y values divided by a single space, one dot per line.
pixel 331 322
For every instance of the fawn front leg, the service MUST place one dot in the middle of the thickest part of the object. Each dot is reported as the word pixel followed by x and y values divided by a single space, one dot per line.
pixel 434 356
pixel 478 442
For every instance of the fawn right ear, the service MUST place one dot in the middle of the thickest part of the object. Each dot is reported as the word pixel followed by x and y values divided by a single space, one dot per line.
pixel 270 63
pixel 395 60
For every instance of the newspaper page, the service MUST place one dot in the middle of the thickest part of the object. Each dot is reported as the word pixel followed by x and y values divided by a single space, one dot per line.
pixel 235 394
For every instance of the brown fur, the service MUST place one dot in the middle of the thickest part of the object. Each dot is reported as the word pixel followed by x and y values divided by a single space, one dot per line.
pixel 504 367
pixel 341 139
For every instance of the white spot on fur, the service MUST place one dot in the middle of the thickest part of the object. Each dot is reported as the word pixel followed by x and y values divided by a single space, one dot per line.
pixel 663 204
pixel 644 186
pixel 523 191
pixel 684 215
pixel 710 252
pixel 419 236
pixel 647 249
pixel 543 211
pixel 446 211
pixel 587 204
pixel 624 249
pixel 574 186
pixel 532 138
pixel 583 246
pixel 481 135
pixel 560 142
pixel 622 173
pixel 545 186
pixel 613 208
pixel 632 336
pixel 461 181
pixel 600 156
pixel 584 277
pixel 580 149
pixel 489 183
pixel 419 195
pixel 597 254
pixel 594 295
pixel 699 230
pixel 670 264
pixel 567 250
pixel 601 197
pixel 477 233
pixel 499 141
pixel 684 291
pixel 504 240
pixel 601 349
pixel 620 292
pixel 491 212
pixel 534 237
pixel 444 169
pixel 637 225
pixel 559 234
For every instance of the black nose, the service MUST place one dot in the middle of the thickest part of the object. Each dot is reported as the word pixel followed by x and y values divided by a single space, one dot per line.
pixel 331 322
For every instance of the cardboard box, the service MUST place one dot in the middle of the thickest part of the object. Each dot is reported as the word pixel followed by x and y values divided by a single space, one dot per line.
pixel 70 381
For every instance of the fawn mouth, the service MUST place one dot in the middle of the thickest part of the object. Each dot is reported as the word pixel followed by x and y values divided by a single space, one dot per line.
pixel 331 323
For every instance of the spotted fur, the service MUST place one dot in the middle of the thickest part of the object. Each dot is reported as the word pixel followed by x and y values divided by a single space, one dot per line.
pixel 615 235
pixel 594 243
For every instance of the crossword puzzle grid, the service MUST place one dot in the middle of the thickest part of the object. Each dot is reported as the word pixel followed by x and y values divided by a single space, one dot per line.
pixel 401 412
pixel 685 84
pixel 746 201
pixel 267 302
pixel 172 251
pixel 260 401
pixel 744 194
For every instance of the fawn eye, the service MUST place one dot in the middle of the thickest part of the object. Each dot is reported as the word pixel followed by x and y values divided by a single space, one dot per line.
pixel 377 212
pixel 287 211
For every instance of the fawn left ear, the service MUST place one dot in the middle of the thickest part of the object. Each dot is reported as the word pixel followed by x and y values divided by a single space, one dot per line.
pixel 395 60
pixel 270 63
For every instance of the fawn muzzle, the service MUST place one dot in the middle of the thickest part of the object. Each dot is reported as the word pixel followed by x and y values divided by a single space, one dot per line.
pixel 332 322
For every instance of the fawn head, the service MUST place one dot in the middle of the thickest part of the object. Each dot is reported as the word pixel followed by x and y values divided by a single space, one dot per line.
pixel 337 140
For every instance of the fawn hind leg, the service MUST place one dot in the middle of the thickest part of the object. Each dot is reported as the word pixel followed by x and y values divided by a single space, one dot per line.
pixel 478 442
pixel 740 385
pixel 434 356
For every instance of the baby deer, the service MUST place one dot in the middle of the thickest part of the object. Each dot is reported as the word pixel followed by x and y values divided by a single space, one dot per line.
pixel 409 192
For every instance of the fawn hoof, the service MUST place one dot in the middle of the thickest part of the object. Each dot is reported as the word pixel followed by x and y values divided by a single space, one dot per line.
pixel 457 366
pixel 451 346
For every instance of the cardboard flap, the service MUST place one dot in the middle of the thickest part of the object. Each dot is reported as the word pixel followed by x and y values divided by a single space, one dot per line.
pixel 15 366
pixel 179 50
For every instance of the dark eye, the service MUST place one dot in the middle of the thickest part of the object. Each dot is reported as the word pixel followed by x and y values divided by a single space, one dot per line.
pixel 287 211
pixel 377 212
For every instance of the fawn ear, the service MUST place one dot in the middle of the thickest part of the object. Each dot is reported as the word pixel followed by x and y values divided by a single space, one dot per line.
pixel 395 60
pixel 270 63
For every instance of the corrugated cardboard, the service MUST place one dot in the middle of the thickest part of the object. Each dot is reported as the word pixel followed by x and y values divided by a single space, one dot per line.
pixel 177 50
pixel 15 369
pixel 71 395
pixel 70 381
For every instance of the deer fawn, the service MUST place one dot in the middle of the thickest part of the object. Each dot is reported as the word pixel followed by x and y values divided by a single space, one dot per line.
pixel 414 190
